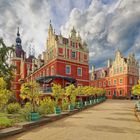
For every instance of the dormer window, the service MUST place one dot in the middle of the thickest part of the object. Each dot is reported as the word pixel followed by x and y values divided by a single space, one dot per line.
pixel 73 45
pixel 73 55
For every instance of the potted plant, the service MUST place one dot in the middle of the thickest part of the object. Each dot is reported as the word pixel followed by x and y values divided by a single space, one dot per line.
pixel 31 91
pixel 57 94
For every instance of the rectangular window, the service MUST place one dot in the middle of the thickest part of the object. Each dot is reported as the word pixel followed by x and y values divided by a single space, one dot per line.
pixel 120 92
pixel 68 69
pixel 115 82
pixel 73 45
pixel 104 84
pixel 121 69
pixel 109 83
pixel 121 81
pixel 73 55
pixel 114 92
pixel 109 93
pixel 79 71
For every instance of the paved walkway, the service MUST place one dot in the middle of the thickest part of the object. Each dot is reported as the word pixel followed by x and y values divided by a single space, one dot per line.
pixel 111 120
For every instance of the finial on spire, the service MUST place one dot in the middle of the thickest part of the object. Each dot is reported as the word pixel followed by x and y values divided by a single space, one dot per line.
pixel 18 34
pixel 51 28
pixel 74 29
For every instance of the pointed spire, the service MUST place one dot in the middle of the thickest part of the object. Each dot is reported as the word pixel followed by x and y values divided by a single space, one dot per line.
pixel 50 30
pixel 18 34
pixel 18 39
pixel 50 24
pixel 73 32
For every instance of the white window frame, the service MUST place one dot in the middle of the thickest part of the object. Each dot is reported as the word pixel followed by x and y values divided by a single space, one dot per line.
pixel 104 84
pixel 114 81
pixel 77 71
pixel 109 93
pixel 120 80
pixel 66 69
pixel 72 56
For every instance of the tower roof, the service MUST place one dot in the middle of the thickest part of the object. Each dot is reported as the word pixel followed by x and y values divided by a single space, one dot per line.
pixel 18 39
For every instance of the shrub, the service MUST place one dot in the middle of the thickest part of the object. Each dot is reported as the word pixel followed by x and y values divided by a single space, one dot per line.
pixel 31 91
pixel 25 112
pixel 4 94
pixel 5 122
pixel 13 108
pixel 47 106
pixel 65 103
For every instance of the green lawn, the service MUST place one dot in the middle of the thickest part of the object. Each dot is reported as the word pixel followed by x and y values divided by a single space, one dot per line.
pixel 7 120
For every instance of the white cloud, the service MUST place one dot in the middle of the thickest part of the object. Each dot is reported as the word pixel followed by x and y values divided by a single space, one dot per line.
pixel 31 17
pixel 107 27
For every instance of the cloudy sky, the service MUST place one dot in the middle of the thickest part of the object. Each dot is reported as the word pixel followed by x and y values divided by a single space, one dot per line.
pixel 104 24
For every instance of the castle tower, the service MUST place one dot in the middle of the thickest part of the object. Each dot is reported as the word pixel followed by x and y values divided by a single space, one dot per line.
pixel 18 61
pixel 50 30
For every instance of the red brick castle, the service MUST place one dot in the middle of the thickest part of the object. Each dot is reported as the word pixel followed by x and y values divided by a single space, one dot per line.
pixel 118 77
pixel 65 61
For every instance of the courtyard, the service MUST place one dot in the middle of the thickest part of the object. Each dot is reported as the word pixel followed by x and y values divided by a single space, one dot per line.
pixel 111 120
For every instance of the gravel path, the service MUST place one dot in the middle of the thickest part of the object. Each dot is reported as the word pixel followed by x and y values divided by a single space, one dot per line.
pixel 111 120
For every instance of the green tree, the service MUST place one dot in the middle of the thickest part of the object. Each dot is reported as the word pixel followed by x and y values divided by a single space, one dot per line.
pixel 6 69
pixel 4 93
pixel 31 91
pixel 58 92
pixel 136 89
pixel 71 93
pixel 79 90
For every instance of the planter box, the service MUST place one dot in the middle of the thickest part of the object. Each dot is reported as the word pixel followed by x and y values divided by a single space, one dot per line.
pixel 71 107
pixel 94 101
pixel 34 116
pixel 80 105
pixel 97 100
pixel 57 110
pixel 91 102
pixel 86 103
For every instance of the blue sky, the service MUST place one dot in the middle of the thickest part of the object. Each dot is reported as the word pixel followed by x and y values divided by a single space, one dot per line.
pixel 105 25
